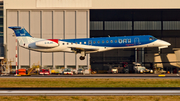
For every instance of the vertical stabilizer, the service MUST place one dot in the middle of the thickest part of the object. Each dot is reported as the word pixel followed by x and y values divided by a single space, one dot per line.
pixel 23 37
pixel 20 32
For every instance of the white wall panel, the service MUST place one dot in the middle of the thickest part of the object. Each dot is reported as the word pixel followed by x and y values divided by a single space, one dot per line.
pixel 58 24
pixel 24 22
pixel 69 34
pixel 35 32
pixel 63 3
pixel 58 34
pixel 58 58
pixel 47 24
pixel 70 24
pixel 47 59
pixel 11 21
pixel 47 34
pixel 81 24
pixel 69 59
pixel 35 23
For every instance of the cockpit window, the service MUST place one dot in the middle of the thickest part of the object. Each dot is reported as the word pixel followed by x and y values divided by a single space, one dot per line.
pixel 152 38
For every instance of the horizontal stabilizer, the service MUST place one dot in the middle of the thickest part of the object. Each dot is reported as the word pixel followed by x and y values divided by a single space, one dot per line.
pixel 15 27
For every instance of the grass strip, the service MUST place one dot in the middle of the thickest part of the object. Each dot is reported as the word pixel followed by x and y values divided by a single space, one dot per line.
pixel 75 82
pixel 89 98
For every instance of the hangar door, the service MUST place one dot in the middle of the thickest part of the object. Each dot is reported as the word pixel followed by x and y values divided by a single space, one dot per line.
pixel 48 24
pixel 160 23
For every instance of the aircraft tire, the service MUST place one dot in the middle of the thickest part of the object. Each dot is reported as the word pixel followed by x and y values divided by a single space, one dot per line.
pixel 81 58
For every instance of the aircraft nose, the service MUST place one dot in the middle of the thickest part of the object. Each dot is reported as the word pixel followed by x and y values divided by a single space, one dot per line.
pixel 165 43
pixel 168 44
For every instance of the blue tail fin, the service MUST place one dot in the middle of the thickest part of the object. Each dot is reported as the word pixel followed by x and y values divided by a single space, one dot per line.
pixel 20 32
pixel 23 37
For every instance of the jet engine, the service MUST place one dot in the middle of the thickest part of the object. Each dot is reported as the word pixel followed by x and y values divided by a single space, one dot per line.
pixel 47 44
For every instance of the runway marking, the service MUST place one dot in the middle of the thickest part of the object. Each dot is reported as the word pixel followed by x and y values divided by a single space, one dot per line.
pixel 162 75
pixel 90 92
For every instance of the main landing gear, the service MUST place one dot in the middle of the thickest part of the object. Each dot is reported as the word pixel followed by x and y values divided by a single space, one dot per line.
pixel 81 58
pixel 83 54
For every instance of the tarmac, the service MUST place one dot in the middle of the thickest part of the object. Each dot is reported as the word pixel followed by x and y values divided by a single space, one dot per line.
pixel 103 76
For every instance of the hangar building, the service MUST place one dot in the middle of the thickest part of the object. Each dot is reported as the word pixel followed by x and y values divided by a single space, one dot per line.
pixel 66 19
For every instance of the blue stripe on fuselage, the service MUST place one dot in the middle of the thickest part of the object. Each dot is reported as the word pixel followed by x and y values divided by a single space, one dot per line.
pixel 113 41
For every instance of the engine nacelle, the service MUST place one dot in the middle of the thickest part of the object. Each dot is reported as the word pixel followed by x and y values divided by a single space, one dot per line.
pixel 47 43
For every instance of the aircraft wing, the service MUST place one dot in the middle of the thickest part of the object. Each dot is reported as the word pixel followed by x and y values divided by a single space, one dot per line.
pixel 84 48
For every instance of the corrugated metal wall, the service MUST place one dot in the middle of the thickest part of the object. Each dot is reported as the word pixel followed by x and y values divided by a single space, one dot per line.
pixel 48 24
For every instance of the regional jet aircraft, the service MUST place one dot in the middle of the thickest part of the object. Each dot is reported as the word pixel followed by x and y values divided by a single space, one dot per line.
pixel 85 45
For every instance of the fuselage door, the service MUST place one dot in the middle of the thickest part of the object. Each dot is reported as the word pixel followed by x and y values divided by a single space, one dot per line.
pixel 136 41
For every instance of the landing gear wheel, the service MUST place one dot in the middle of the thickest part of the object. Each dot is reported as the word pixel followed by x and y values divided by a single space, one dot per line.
pixel 81 58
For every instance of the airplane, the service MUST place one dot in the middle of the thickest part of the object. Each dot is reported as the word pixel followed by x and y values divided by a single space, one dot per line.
pixel 85 45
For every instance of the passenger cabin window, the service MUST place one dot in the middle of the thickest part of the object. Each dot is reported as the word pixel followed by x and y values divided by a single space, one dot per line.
pixel 94 42
pixel 115 41
pixel 79 42
pixel 76 42
pixel 89 42
pixel 111 41
pixel 71 43
pixel 102 41
pixel 67 43
pixel 107 41
pixel 84 42
pixel 98 41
